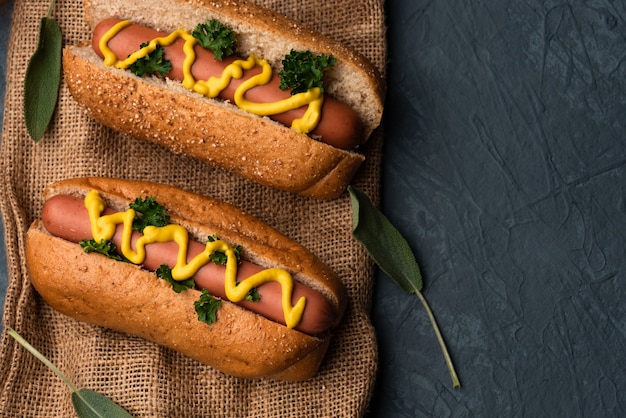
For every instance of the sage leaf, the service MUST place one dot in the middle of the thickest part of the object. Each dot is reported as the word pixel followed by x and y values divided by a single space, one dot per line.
pixel 90 404
pixel 87 403
pixel 384 243
pixel 393 255
pixel 43 78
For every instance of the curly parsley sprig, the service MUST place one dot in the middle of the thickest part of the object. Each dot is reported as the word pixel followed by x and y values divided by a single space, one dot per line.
pixel 216 37
pixel 165 272
pixel 153 63
pixel 219 257
pixel 303 71
pixel 253 295
pixel 206 307
pixel 149 212
pixel 103 247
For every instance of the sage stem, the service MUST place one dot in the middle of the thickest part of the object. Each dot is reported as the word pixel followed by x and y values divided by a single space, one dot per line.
pixel 41 358
pixel 455 379
pixel 51 9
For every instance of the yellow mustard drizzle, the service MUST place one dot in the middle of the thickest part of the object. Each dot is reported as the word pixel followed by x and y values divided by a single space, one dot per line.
pixel 212 87
pixel 103 228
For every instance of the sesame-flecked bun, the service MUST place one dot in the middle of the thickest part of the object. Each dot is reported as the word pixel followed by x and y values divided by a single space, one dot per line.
pixel 256 148
pixel 127 298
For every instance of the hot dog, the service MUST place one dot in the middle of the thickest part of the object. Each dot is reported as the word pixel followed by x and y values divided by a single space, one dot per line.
pixel 282 332
pixel 339 125
pixel 274 150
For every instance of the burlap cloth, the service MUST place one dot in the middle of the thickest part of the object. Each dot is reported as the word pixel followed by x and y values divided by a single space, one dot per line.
pixel 144 378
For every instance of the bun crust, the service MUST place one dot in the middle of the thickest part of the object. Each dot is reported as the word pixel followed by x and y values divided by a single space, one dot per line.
pixel 257 149
pixel 124 297
pixel 265 33
pixel 216 132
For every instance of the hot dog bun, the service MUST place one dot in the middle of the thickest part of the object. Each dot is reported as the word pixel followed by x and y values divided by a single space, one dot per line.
pixel 127 298
pixel 253 147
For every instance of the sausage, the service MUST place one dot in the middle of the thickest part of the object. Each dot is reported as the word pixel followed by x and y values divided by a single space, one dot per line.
pixel 339 125
pixel 129 298
pixel 66 217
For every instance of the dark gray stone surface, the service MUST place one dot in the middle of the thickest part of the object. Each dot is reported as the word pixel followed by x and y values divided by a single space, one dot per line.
pixel 5 17
pixel 505 169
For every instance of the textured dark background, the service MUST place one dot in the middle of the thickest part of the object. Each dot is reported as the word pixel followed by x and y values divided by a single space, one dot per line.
pixel 505 169
pixel 6 7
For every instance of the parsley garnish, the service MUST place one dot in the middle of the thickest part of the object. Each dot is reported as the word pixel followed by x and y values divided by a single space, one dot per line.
pixel 303 71
pixel 253 295
pixel 153 63
pixel 216 37
pixel 219 257
pixel 165 272
pixel 103 247
pixel 150 212
pixel 206 307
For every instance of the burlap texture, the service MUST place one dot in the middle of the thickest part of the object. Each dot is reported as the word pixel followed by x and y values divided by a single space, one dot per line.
pixel 144 378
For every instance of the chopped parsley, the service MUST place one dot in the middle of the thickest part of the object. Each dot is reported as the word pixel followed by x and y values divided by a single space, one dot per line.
pixel 303 71
pixel 216 37
pixel 149 212
pixel 253 295
pixel 103 247
pixel 165 272
pixel 206 307
pixel 219 257
pixel 153 63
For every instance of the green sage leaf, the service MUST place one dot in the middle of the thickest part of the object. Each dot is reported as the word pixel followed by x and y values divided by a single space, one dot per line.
pixel 393 255
pixel 384 243
pixel 87 403
pixel 90 404
pixel 42 80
